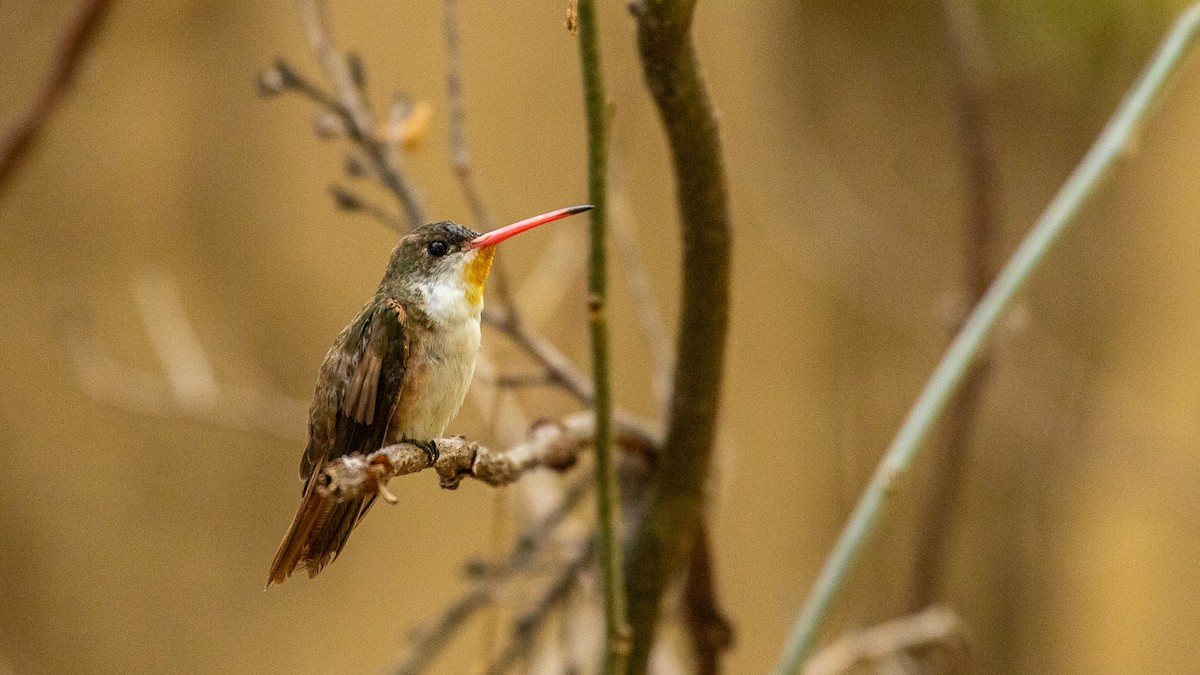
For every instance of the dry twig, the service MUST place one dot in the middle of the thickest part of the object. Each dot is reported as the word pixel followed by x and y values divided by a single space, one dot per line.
pixel 78 35
pixel 969 70
pixel 191 388
pixel 935 625
pixel 427 644
pixel 528 625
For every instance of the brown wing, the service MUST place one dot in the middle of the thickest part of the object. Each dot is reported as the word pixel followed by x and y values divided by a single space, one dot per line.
pixel 357 390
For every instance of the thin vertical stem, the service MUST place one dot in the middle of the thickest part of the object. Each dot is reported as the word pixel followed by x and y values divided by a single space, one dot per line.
pixel 616 632
pixel 1112 143
pixel 969 78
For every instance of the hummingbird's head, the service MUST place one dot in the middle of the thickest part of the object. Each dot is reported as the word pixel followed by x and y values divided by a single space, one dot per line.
pixel 445 261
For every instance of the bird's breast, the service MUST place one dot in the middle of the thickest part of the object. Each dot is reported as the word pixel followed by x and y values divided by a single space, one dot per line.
pixel 438 367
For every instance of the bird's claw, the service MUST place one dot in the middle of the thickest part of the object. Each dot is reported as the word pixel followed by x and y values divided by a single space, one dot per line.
pixel 431 452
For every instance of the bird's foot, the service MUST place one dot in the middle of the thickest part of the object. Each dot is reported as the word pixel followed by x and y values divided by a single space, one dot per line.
pixel 431 451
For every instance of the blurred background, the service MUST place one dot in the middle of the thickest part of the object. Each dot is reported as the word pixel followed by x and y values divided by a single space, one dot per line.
pixel 135 537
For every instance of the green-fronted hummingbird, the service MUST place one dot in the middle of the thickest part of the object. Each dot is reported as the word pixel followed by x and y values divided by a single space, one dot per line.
pixel 399 372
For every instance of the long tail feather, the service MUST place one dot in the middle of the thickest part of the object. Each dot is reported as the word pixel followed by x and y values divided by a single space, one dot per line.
pixel 317 534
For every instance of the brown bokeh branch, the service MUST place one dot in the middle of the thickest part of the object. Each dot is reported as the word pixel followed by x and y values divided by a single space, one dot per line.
pixel 664 538
pixel 936 625
pixel 77 36
pixel 556 364
pixel 428 643
pixel 636 276
pixel 529 624
pixel 970 75
pixel 189 386
pixel 710 631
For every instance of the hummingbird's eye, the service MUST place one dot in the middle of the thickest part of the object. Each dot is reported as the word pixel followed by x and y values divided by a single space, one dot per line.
pixel 438 248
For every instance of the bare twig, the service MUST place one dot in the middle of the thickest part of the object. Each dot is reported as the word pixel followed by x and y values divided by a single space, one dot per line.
pixel 641 290
pixel 554 445
pixel 557 365
pixel 666 534
pixel 348 200
pixel 969 78
pixel 191 388
pixel 353 476
pixel 429 643
pixel 361 126
pixel 460 154
pixel 935 625
pixel 711 632
pixel 77 36
pixel 529 624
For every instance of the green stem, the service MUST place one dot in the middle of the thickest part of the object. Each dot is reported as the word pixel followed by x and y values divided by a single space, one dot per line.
pixel 616 632
pixel 1112 143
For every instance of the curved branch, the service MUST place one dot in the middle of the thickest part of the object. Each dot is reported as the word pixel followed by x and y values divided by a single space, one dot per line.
pixel 666 534
pixel 79 34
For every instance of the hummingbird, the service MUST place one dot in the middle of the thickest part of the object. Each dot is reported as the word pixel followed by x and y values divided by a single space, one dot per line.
pixel 398 372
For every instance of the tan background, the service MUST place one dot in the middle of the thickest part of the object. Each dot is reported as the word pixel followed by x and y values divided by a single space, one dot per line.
pixel 135 543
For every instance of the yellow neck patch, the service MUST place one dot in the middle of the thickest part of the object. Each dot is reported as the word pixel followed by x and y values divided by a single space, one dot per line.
pixel 476 273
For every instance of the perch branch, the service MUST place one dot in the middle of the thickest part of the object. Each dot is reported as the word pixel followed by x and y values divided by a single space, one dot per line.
pixel 1112 144
pixel 78 35
pixel 616 629
pixel 550 445
pixel 665 536
pixel 353 476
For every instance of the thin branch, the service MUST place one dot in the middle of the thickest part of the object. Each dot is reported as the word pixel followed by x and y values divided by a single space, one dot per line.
pixel 553 445
pixel 969 80
pixel 616 629
pixel 361 125
pixel 637 280
pixel 191 388
pixel 557 365
pixel 460 153
pixel 352 476
pixel 529 624
pixel 429 643
pixel 350 201
pixel 76 38
pixel 711 632
pixel 935 625
pixel 665 536
pixel 1113 143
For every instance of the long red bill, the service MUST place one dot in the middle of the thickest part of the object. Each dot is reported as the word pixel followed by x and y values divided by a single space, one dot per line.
pixel 501 233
